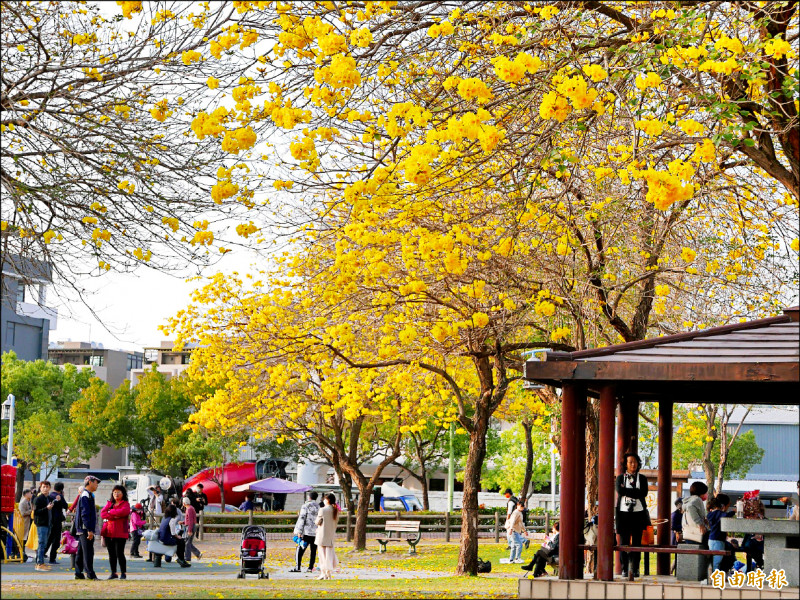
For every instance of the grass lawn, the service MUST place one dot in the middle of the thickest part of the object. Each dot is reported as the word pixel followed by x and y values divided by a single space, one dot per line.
pixel 441 587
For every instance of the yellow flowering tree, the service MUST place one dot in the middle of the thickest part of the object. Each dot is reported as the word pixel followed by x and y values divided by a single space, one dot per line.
pixel 707 436
pixel 97 170
pixel 282 369
pixel 475 179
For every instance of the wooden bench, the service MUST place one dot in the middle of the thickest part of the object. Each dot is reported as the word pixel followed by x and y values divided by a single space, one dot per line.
pixel 659 550
pixel 395 529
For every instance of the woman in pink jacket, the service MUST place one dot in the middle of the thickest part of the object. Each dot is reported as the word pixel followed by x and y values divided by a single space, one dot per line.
pixel 138 525
pixel 115 529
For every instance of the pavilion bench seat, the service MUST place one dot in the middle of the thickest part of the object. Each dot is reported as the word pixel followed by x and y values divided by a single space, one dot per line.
pixel 396 528
pixel 699 568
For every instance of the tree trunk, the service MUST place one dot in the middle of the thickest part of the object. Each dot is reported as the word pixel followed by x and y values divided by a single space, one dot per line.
pixel 468 553
pixel 424 483
pixel 21 466
pixel 711 432
pixel 528 427
pixel 365 488
pixel 591 456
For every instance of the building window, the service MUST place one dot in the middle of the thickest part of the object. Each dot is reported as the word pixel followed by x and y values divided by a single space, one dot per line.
pixel 134 362
pixel 185 358
pixel 151 355
pixel 20 292
pixel 96 361
pixel 11 331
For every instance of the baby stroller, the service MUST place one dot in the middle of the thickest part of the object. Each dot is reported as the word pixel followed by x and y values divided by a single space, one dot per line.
pixel 253 552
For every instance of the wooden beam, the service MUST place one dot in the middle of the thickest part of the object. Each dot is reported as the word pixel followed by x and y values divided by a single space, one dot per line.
pixel 667 372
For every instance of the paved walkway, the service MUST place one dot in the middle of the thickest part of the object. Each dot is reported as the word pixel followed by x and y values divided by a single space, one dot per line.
pixel 204 569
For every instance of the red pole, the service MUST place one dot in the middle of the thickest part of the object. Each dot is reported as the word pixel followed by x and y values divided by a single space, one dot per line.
pixel 580 477
pixel 622 434
pixel 567 550
pixel 605 487
pixel 664 481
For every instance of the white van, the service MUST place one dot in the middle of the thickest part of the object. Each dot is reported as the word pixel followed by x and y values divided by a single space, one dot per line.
pixel 137 483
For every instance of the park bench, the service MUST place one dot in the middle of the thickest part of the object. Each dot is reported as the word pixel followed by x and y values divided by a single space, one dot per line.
pixel 395 529
pixel 659 550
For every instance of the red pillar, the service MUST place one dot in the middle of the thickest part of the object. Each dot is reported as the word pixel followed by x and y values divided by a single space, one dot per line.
pixel 664 481
pixel 567 549
pixel 622 434
pixel 605 485
pixel 580 477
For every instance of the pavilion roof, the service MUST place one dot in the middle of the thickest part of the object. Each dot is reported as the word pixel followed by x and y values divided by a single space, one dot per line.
pixel 752 362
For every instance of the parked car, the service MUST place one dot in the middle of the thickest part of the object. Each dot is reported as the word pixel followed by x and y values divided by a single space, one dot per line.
pixel 215 508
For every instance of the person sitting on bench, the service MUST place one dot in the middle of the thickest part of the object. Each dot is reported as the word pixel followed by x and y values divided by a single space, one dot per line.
pixel 544 555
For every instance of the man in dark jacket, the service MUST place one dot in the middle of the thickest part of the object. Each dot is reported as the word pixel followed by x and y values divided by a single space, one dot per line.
pixel 86 523
pixel 202 499
pixel 41 520
pixel 56 521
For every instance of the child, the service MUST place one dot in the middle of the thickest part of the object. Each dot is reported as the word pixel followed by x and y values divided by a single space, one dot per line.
pixel 718 508
pixel 137 527
pixel 69 545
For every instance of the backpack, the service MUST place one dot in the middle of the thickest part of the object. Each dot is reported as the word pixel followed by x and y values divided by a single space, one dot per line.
pixel 484 566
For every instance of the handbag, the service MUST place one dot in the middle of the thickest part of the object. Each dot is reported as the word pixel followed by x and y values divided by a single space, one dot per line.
pixel 33 539
pixel 484 566
pixel 104 529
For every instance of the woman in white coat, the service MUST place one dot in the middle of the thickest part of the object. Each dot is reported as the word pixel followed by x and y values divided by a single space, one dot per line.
pixel 326 536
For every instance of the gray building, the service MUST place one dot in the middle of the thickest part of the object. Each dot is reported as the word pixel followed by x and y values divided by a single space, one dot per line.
pixel 777 432
pixel 111 366
pixel 25 319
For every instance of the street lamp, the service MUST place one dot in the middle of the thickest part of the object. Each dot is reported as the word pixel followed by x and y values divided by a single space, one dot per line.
pixel 8 413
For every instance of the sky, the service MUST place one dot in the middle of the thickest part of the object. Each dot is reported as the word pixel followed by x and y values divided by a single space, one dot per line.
pixel 131 306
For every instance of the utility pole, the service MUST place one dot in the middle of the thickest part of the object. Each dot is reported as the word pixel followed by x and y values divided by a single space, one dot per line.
pixel 450 470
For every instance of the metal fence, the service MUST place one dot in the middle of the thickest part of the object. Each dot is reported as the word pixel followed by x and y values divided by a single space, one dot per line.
pixel 432 525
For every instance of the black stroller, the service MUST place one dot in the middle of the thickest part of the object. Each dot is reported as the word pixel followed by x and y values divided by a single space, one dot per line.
pixel 253 552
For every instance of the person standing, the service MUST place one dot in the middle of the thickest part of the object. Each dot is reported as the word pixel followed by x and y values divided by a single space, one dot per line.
pixel 190 524
pixel 511 504
pixel 247 505
pixel 57 519
pixel 202 499
pixel 676 522
pixel 26 510
pixel 306 530
pixel 325 538
pixel 136 528
pixel 192 496
pixel 515 527
pixel 86 523
pixel 42 507
pixel 631 513
pixel 694 514
pixel 158 504
pixel 117 512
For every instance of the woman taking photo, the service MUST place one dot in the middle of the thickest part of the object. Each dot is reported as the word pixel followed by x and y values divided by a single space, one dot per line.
pixel 326 536
pixel 632 516
pixel 115 529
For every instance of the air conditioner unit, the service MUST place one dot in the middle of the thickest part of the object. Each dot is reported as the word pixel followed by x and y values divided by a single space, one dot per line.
pixel 539 354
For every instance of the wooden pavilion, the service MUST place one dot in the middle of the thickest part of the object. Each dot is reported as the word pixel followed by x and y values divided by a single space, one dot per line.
pixel 756 362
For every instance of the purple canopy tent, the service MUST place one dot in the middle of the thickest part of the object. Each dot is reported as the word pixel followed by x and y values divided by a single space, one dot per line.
pixel 272 485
